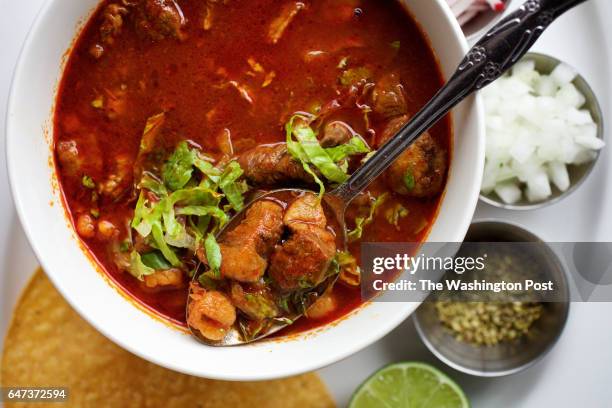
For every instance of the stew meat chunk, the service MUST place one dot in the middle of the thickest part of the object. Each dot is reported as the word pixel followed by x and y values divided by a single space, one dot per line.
pixel 301 262
pixel 388 97
pixel 421 170
pixel 211 312
pixel 272 164
pixel 159 19
pixel 245 249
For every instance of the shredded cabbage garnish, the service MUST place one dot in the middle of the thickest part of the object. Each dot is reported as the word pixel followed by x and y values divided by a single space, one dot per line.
pixel 137 268
pixel 303 145
pixel 213 254
pixel 362 222
pixel 185 207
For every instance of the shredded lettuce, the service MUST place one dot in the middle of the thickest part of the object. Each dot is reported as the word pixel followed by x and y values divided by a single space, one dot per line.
pixel 178 169
pixel 297 152
pixel 155 260
pixel 303 145
pixel 203 210
pixel 213 254
pixel 395 213
pixel 160 242
pixel 151 183
pixel 137 267
pixel 232 189
pixel 189 200
pixel 205 165
pixel 354 146
pixel 350 272
pixel 362 222
pixel 316 154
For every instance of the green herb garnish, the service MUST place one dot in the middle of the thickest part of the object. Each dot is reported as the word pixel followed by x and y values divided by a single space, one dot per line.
pixel 409 181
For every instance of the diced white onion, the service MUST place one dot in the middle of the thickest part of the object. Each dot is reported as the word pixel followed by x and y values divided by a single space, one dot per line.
pixel 536 127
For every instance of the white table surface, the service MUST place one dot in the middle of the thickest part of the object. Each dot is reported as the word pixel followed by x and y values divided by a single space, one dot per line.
pixel 578 371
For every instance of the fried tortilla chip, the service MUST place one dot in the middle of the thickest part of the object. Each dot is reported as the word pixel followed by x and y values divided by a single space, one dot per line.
pixel 49 345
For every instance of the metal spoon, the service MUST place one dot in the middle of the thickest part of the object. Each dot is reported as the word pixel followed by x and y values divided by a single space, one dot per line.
pixel 493 55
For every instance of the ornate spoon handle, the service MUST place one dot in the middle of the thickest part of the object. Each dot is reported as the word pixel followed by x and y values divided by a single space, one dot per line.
pixel 493 55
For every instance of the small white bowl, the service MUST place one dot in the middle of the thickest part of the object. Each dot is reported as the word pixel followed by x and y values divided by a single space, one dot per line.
pixel 40 208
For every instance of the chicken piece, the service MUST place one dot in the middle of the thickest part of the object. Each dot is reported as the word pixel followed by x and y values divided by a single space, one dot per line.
pixel 336 133
pixel 210 312
pixel 245 249
pixel 272 164
pixel 301 262
pixel 279 24
pixel 419 171
pixel 160 19
pixel 168 278
pixel 388 99
pixel 255 301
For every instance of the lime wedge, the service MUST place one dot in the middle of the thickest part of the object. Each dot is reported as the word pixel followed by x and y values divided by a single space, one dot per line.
pixel 409 385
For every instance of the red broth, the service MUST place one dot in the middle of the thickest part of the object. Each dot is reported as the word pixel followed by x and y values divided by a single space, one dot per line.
pixel 137 78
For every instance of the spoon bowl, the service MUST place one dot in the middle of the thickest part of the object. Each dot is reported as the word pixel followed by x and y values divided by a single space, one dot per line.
pixel 234 336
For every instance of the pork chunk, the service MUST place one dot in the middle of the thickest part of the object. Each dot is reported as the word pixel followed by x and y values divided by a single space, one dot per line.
pixel 336 133
pixel 159 19
pixel 302 260
pixel 388 97
pixel 271 164
pixel 420 171
pixel 245 249
pixel 210 312
pixel 305 210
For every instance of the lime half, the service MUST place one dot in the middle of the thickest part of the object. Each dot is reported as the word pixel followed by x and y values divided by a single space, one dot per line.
pixel 409 385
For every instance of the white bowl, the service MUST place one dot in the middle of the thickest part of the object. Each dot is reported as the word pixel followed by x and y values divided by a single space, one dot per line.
pixel 39 205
